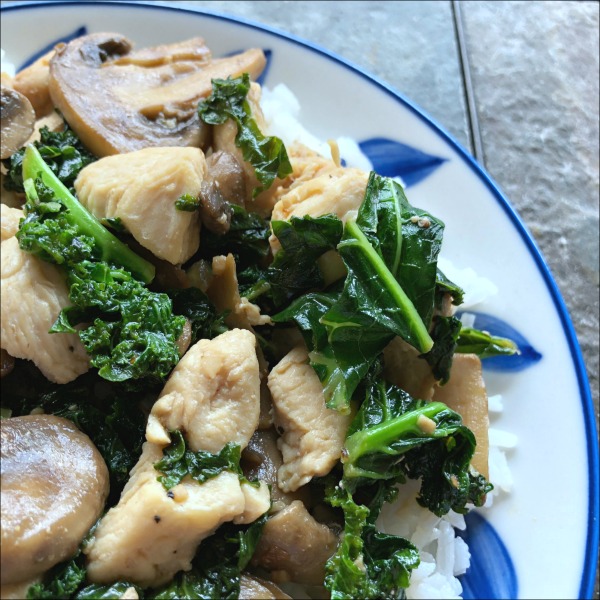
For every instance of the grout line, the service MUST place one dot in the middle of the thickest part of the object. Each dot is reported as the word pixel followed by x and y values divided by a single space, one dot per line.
pixel 463 56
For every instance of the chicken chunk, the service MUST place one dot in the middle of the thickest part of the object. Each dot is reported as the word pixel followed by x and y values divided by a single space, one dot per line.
pixel 313 435
pixel 294 546
pixel 9 221
pixel 213 394
pixel 33 294
pixel 152 534
pixel 141 189
pixel 224 293
pixel 213 397
pixel 338 191
pixel 465 393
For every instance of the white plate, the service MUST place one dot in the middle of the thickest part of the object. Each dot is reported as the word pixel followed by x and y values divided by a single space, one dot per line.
pixel 541 541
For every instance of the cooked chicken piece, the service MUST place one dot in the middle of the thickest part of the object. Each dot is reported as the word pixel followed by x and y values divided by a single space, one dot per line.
pixel 404 368
pixel 141 189
pixel 129 594
pixel 306 165
pixel 9 221
pixel 313 435
pixel 212 394
pixel 295 547
pixel 213 397
pixel 152 534
pixel 255 588
pixel 339 191
pixel 224 294
pixel 33 294
pixel 466 394
pixel 54 485
pixel 33 83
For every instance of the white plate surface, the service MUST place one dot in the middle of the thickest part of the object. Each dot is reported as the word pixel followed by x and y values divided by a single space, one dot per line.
pixel 548 524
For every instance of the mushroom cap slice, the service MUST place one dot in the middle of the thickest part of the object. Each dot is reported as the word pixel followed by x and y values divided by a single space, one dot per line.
pixel 54 485
pixel 17 119
pixel 118 100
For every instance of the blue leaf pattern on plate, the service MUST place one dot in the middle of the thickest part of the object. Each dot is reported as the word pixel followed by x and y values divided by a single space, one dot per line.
pixel 492 573
pixel 64 39
pixel 528 354
pixel 394 159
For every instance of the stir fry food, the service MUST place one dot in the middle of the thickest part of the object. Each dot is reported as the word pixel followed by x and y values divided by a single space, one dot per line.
pixel 222 355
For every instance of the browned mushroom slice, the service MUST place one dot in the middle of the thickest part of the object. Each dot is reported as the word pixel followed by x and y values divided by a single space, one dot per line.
pixel 54 485
pixel 295 547
pixel 228 175
pixel 17 119
pixel 215 211
pixel 140 99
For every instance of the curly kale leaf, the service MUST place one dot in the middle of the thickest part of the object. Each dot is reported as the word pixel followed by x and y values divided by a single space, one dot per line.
pixel 132 332
pixel 394 436
pixel 179 461
pixel 267 154
pixel 367 563
pixel 96 591
pixel 62 151
pixel 445 333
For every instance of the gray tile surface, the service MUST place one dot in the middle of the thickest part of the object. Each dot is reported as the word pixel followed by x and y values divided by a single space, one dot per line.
pixel 534 68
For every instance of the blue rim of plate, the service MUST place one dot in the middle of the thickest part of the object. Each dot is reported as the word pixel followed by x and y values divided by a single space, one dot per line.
pixel 586 588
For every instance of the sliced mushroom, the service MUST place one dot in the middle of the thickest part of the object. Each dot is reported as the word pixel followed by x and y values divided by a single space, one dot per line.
pixel 228 175
pixel 54 485
pixel 140 99
pixel 17 119
pixel 294 547
pixel 215 211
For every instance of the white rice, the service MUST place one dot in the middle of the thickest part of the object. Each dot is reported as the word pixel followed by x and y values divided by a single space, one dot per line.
pixel 5 66
pixel 444 555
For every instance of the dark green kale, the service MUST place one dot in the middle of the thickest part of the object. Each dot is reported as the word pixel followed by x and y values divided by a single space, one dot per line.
pixel 394 436
pixel 193 304
pixel 367 563
pixel 247 239
pixel 303 240
pixel 267 154
pixel 445 333
pixel 179 461
pixel 62 151
pixel 444 286
pixel 131 333
pixel 390 253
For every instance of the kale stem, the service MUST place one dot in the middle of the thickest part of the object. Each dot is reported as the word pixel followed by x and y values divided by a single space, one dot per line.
pixel 111 248
pixel 387 279
pixel 378 437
